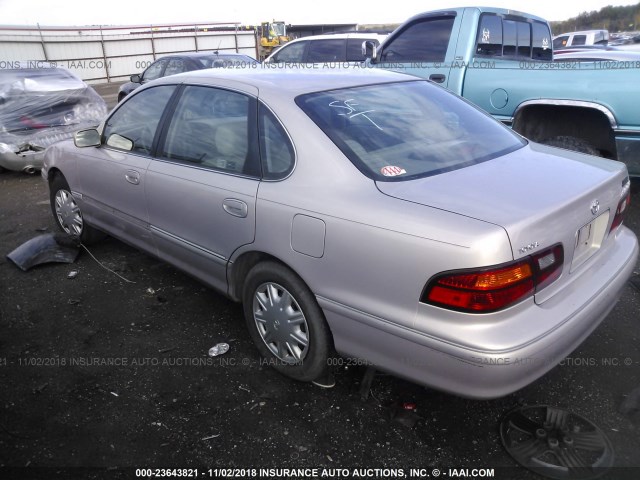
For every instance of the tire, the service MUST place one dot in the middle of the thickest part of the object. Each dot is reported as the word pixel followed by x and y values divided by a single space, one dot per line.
pixel 572 143
pixel 285 322
pixel 67 214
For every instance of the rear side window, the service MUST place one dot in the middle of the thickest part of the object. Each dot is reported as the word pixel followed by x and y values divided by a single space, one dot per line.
pixel 579 40
pixel 424 41
pixel 326 51
pixel 276 151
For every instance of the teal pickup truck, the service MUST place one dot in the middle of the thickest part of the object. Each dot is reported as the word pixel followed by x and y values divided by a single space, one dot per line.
pixel 502 61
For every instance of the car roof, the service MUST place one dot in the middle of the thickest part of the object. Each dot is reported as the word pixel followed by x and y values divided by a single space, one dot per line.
pixel 600 54
pixel 213 53
pixel 582 32
pixel 288 81
pixel 330 36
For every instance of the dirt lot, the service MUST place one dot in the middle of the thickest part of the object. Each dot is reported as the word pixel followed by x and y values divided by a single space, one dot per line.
pixel 100 376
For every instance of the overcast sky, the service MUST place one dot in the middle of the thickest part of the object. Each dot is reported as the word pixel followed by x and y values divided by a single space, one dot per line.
pixel 250 12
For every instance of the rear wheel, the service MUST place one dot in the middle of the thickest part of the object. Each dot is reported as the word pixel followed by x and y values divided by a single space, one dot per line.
pixel 67 213
pixel 285 322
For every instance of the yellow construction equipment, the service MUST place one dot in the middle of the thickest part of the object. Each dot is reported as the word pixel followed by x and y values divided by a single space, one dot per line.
pixel 272 35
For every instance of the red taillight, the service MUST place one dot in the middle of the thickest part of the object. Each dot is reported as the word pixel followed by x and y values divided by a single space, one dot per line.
pixel 495 288
pixel 620 212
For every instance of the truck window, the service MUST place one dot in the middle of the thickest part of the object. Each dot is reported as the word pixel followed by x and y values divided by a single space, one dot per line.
pixel 579 40
pixel 490 36
pixel 541 41
pixel 424 41
pixel 524 39
pixel 517 38
pixel 510 37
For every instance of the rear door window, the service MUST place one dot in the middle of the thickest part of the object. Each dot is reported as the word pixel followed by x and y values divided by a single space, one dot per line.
pixel 210 128
pixel 326 51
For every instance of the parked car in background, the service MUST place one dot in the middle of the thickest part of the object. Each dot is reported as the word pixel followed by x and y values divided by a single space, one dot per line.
pixel 361 210
pixel 41 103
pixel 602 54
pixel 186 62
pixel 336 47
pixel 579 39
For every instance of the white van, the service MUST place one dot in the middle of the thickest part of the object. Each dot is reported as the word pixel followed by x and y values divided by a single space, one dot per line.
pixel 580 39
pixel 337 47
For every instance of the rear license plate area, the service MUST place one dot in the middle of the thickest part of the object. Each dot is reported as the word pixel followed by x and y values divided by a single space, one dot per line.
pixel 589 239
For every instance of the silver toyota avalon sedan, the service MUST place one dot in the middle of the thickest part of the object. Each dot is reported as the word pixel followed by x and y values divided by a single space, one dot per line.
pixel 363 211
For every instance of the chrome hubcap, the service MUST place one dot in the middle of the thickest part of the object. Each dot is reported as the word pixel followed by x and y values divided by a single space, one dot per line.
pixel 281 323
pixel 68 213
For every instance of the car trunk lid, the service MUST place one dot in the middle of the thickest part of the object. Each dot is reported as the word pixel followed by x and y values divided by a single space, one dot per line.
pixel 540 195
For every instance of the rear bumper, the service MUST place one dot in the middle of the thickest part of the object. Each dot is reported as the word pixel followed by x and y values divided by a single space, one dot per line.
pixel 484 373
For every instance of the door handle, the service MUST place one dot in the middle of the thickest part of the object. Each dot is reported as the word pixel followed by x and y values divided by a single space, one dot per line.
pixel 235 207
pixel 437 78
pixel 132 177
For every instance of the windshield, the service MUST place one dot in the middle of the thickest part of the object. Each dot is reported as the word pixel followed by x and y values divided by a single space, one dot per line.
pixel 402 131
pixel 278 29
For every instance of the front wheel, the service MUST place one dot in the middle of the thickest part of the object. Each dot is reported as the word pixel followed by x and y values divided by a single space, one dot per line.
pixel 285 322
pixel 67 213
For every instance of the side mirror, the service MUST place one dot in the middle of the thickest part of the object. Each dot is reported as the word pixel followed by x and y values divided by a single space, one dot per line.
pixel 370 50
pixel 87 138
pixel 120 142
pixel 136 78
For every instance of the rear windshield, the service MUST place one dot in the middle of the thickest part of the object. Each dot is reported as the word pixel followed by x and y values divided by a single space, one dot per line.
pixel 402 131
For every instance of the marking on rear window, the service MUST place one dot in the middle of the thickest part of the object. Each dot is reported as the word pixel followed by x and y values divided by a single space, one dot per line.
pixel 392 171
pixel 351 110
